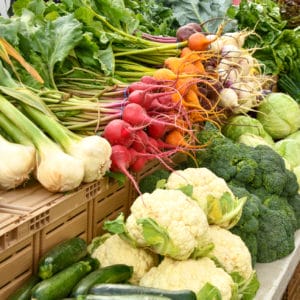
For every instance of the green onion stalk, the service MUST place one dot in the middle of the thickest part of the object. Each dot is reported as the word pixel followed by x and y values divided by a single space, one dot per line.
pixel 56 170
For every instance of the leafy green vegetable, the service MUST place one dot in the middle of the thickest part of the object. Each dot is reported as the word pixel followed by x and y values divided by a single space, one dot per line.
pixel 277 47
pixel 279 114
pixel 211 12
pixel 153 16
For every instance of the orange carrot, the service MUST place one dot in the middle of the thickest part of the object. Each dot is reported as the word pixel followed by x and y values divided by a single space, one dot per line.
pixel 176 138
pixel 199 42
pixel 164 74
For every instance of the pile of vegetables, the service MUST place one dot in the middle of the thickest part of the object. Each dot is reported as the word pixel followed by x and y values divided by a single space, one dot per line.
pixel 187 220
pixel 95 87
pixel 277 42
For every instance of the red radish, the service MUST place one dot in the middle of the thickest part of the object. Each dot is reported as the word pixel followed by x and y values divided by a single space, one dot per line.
pixel 140 142
pixel 139 164
pixel 149 80
pixel 119 132
pixel 152 80
pixel 151 100
pixel 157 130
pixel 121 160
pixel 142 86
pixel 136 115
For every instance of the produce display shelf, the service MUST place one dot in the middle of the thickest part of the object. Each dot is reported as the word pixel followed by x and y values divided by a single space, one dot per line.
pixel 280 279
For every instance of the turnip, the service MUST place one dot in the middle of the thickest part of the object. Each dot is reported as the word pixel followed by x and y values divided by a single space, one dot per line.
pixel 185 31
pixel 228 98
pixel 231 52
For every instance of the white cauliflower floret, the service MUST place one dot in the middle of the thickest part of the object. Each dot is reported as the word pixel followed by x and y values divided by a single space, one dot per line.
pixel 114 250
pixel 211 193
pixel 205 183
pixel 180 217
pixel 231 252
pixel 189 274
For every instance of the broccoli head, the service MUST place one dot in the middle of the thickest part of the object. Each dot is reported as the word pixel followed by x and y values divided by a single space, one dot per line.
pixel 148 183
pixel 248 225
pixel 294 202
pixel 256 168
pixel 275 237
pixel 275 202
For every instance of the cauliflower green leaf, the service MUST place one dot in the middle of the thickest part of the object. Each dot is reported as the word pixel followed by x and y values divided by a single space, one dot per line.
pixel 225 211
pixel 158 238
pixel 209 292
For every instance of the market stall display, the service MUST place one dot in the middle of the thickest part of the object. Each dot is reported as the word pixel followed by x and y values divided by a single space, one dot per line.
pixel 140 141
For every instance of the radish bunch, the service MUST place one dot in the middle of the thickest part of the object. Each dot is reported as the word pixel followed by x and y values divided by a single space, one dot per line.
pixel 148 114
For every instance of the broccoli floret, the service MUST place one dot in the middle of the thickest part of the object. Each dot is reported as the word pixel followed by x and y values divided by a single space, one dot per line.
pixel 294 202
pixel 275 237
pixel 275 202
pixel 248 225
pixel 148 183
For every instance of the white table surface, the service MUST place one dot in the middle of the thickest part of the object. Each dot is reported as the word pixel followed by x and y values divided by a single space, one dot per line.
pixel 275 276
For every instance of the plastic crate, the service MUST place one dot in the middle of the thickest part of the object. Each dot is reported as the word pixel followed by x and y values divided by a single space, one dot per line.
pixel 33 220
pixel 109 204
pixel 16 266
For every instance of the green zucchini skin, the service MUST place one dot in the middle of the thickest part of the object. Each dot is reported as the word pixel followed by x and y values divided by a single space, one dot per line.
pixel 123 297
pixel 24 292
pixel 110 274
pixel 61 256
pixel 61 284
pixel 129 290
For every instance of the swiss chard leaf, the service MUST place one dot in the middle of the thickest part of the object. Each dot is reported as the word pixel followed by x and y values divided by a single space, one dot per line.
pixel 53 41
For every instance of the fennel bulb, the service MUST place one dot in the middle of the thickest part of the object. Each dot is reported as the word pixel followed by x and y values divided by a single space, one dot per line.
pixel 94 151
pixel 55 170
pixel 58 171
pixel 17 162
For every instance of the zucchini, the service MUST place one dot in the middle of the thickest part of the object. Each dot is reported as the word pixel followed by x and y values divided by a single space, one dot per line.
pixel 129 290
pixel 62 256
pixel 94 262
pixel 110 274
pixel 61 284
pixel 24 292
pixel 123 297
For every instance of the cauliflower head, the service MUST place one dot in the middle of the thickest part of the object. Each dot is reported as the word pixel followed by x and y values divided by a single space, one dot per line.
pixel 211 193
pixel 115 250
pixel 189 274
pixel 230 252
pixel 168 222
